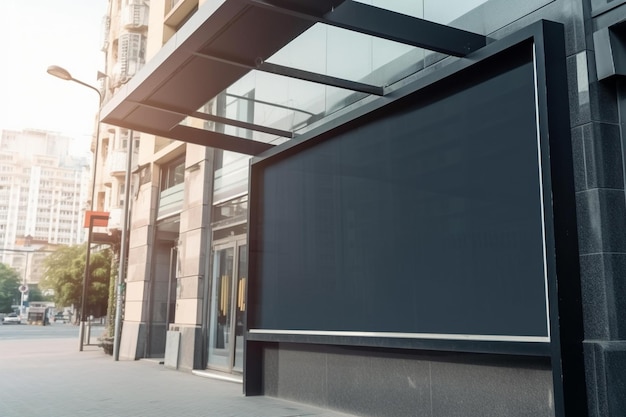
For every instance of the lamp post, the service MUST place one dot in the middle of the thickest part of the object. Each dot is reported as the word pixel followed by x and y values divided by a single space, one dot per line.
pixel 123 251
pixel 63 74
pixel 24 286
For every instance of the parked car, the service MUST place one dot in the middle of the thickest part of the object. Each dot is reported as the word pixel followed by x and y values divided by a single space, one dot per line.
pixel 12 318
pixel 61 318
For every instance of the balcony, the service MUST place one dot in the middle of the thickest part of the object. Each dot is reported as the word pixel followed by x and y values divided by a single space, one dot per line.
pixel 106 28
pixel 116 163
pixel 178 11
pixel 135 16
pixel 170 5
pixel 115 219
pixel 171 201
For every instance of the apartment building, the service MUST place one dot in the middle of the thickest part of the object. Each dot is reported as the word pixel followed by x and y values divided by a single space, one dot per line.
pixel 124 30
pixel 383 207
pixel 42 190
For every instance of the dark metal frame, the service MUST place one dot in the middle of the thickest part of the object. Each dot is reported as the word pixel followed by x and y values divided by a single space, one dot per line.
pixel 234 242
pixel 370 20
pixel 565 310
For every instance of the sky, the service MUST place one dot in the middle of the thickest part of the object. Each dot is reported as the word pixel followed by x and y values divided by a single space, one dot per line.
pixel 35 34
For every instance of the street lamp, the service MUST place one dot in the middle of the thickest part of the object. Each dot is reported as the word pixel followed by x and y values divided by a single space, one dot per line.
pixel 64 74
pixel 123 250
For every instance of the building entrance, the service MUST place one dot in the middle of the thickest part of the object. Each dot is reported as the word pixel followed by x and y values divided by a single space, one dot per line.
pixel 227 308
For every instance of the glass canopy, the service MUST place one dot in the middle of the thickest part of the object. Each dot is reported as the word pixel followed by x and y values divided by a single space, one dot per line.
pixel 290 104
pixel 266 100
pixel 309 61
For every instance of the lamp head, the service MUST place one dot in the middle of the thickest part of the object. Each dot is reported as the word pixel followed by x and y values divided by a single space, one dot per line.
pixel 59 72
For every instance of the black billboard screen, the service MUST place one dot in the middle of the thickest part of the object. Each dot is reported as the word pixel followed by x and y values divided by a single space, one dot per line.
pixel 425 217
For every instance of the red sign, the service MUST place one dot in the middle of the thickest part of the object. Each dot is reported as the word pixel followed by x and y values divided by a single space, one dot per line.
pixel 100 218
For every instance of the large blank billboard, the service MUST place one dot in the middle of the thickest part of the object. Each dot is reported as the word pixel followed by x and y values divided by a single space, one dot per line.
pixel 426 218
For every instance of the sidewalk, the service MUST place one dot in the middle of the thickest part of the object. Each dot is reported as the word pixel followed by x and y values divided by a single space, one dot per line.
pixel 51 378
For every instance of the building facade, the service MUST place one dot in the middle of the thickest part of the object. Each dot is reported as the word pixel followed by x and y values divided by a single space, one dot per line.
pixel 124 37
pixel 386 208
pixel 42 190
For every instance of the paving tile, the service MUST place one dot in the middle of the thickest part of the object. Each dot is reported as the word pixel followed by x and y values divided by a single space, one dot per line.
pixel 51 378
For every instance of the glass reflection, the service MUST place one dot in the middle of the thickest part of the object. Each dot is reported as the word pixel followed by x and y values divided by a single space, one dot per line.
pixel 444 12
pixel 449 11
pixel 345 54
pixel 231 175
pixel 278 102
pixel 413 8
pixel 240 308
pixel 221 315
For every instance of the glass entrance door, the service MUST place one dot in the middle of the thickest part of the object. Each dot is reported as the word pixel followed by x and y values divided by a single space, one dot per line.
pixel 240 305
pixel 227 308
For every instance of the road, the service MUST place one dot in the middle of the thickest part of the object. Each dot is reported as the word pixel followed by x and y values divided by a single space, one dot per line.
pixel 53 331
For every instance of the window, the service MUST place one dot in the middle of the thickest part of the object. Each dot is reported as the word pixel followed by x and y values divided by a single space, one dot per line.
pixel 173 174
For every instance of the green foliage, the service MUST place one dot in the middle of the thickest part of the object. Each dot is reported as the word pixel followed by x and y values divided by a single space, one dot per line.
pixel 112 300
pixel 64 271
pixel 9 284
pixel 35 294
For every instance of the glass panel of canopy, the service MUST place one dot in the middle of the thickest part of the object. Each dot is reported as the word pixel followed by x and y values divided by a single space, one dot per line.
pixel 260 102
pixel 445 12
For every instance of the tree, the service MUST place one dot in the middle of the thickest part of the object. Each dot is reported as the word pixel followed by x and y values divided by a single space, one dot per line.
pixel 112 299
pixel 63 274
pixel 9 288
pixel 35 294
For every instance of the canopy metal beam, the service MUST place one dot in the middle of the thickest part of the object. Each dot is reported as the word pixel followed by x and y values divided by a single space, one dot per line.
pixel 300 74
pixel 205 137
pixel 223 120
pixel 243 125
pixel 389 25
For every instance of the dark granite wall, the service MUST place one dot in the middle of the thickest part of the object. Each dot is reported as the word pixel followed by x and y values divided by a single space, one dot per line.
pixel 597 109
pixel 400 383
